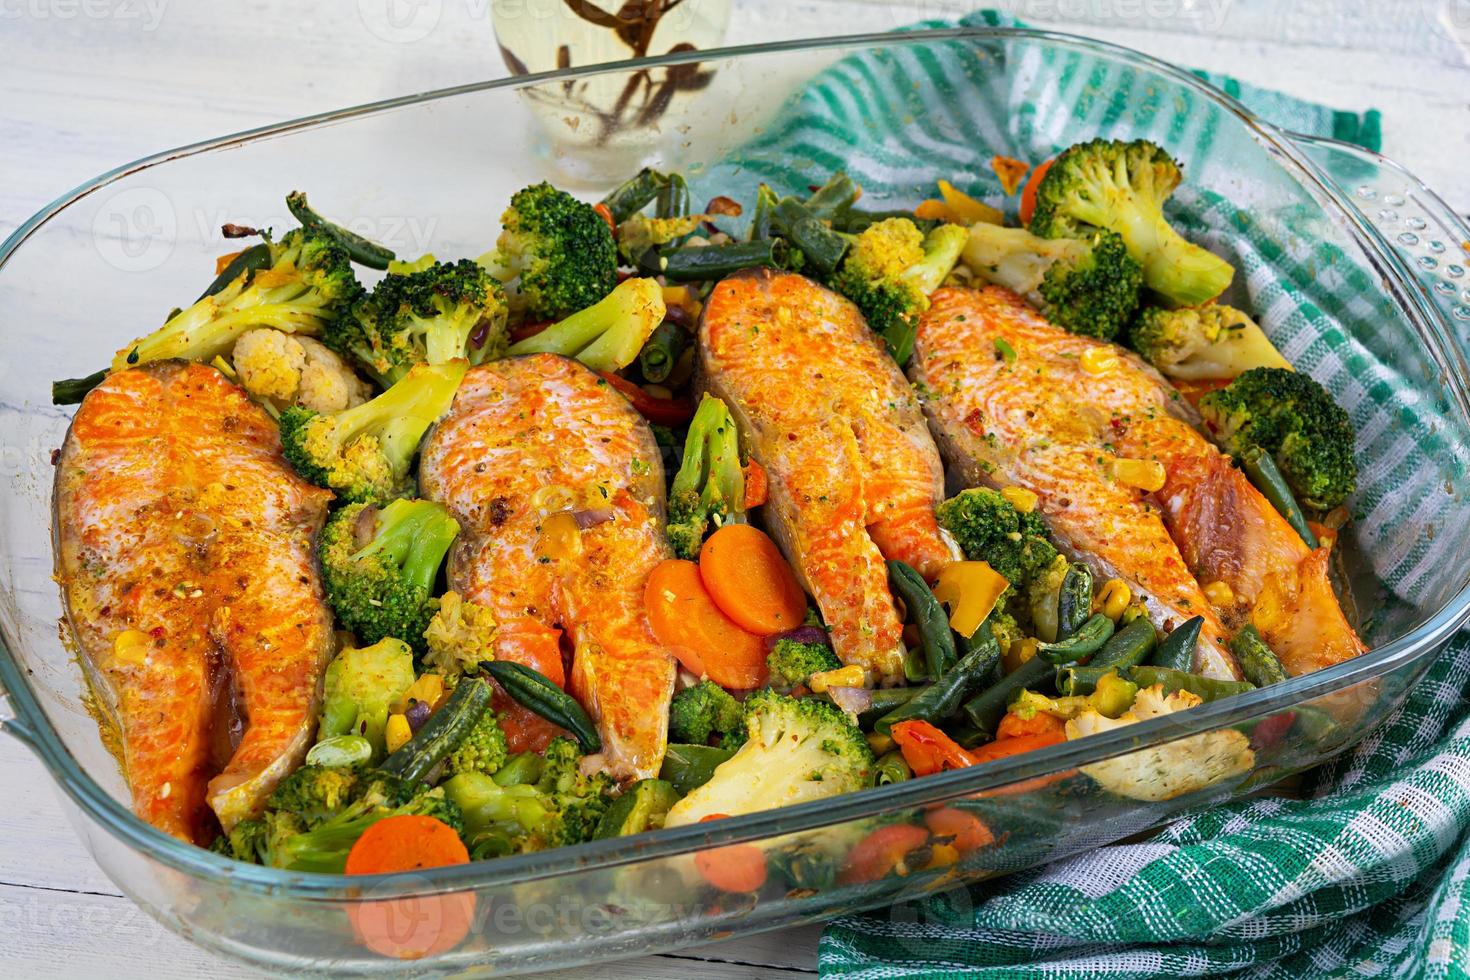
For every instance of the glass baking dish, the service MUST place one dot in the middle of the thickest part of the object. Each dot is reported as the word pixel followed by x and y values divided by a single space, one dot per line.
pixel 431 173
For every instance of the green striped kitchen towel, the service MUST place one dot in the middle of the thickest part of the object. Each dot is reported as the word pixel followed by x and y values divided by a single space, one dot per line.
pixel 1368 875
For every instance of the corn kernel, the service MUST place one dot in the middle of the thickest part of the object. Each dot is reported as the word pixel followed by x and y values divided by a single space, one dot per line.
pixel 1098 360
pixel 396 732
pixel 131 647
pixel 1113 598
pixel 1020 498
pixel 879 742
pixel 1219 593
pixel 850 676
pixel 1144 474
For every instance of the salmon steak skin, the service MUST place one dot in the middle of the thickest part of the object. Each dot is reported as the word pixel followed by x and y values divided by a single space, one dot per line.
pixel 184 552
pixel 1017 401
pixel 854 474
pixel 557 483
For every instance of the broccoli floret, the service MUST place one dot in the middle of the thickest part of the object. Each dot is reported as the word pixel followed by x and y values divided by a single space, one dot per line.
pixel 1005 628
pixel 1203 342
pixel 576 801
pixel 359 686
pixel 706 709
pixel 283 838
pixel 459 636
pixel 710 486
pixel 482 750
pixel 364 453
pixel 792 663
pixel 798 750
pixel 1122 186
pixel 1089 286
pixel 448 311
pixel 989 528
pixel 313 794
pixel 379 566
pixel 1292 417
pixel 608 335
pixel 304 284
pixel 561 251
pixel 889 272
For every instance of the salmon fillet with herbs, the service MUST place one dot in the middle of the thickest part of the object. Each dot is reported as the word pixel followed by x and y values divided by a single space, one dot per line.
pixel 1124 477
pixel 854 474
pixel 557 484
pixel 184 550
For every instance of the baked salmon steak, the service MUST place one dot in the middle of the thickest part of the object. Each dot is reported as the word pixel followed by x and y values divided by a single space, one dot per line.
pixel 854 474
pixel 558 487
pixel 1124 477
pixel 184 554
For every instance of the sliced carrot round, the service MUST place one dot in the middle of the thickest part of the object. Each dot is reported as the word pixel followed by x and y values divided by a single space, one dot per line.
pixel 413 927
pixel 968 831
pixel 749 580
pixel 881 852
pixel 707 642
pixel 734 868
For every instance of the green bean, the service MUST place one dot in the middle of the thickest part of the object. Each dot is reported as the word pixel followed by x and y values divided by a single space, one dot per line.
pixel 934 634
pixel 985 709
pixel 72 390
pixel 691 766
pixel 821 247
pixel 914 669
pixel 694 263
pixel 833 197
pixel 1074 600
pixel 884 700
pixel 853 221
pixel 1315 725
pixel 943 697
pixel 1257 661
pixel 359 249
pixel 765 207
pixel 253 259
pixel 661 351
pixel 534 690
pixel 1126 648
pixel 1087 640
pixel 1206 688
pixel 634 194
pixel 1263 472
pixel 966 736
pixel 891 768
pixel 1177 650
pixel 673 198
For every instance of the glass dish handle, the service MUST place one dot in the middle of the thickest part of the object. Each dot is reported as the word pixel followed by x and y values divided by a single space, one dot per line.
pixel 10 721
pixel 1429 236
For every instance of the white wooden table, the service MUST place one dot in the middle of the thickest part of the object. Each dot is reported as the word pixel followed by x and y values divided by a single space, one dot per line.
pixel 88 84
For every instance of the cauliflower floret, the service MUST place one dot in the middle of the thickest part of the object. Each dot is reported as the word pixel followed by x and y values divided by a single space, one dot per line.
pixel 1164 771
pixel 296 370
pixel 460 635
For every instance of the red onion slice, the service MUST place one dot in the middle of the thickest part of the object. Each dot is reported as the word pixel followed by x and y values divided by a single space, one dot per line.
pixel 802 634
pixel 592 517
pixel 853 700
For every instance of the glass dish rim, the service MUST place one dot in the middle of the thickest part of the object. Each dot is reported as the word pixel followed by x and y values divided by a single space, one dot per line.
pixel 32 726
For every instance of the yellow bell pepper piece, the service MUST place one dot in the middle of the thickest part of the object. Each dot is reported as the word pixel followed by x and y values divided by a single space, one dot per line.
pixel 966 208
pixel 559 538
pixel 396 732
pixel 1113 599
pixel 429 688
pixel 1020 498
pixel 971 590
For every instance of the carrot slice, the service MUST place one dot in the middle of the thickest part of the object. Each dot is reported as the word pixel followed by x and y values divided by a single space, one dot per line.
pixel 410 928
pixel 757 485
pixel 734 868
pixel 881 852
pixel 1003 748
pixel 707 642
pixel 749 580
pixel 1028 193
pixel 968 831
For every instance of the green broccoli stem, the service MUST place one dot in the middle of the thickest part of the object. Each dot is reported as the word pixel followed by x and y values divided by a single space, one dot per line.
pixel 821 247
pixel 1262 471
pixel 711 464
pixel 447 335
pixel 324 850
pixel 1183 271
pixel 399 416
pixel 942 248
pixel 72 390
pixel 415 535
pixel 359 249
pixel 634 194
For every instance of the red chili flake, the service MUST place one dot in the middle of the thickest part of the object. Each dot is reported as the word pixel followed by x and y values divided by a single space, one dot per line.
pixel 157 632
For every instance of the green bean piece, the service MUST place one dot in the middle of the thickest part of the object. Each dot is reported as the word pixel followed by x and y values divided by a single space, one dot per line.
pixel 1074 600
pixel 942 698
pixel 833 197
pixel 821 247
pixel 72 390
pixel 661 351
pixel 884 700
pixel 1177 650
pixel 854 221
pixel 695 263
pixel 914 669
pixel 673 198
pixel 928 615
pixel 1257 661
pixel 891 768
pixel 1206 688
pixel 1126 648
pixel 765 208
pixel 691 766
pixel 253 259
pixel 1263 472
pixel 359 249
pixel 967 736
pixel 985 709
pixel 1087 640
pixel 634 194
pixel 534 690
